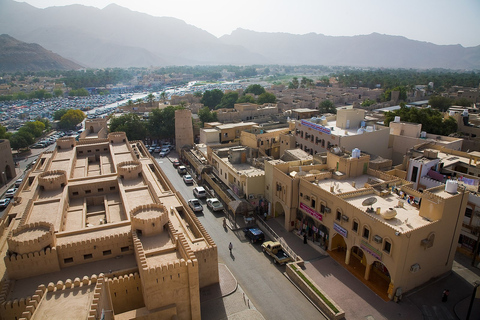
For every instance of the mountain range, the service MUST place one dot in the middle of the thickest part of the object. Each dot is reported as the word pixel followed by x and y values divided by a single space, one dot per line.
pixel 118 37
pixel 20 56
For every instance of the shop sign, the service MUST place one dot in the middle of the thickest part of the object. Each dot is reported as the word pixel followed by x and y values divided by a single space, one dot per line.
pixel 368 248
pixel 310 211
pixel 340 230
pixel 316 126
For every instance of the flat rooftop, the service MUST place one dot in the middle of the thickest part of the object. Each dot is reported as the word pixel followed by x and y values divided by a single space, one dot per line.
pixel 243 168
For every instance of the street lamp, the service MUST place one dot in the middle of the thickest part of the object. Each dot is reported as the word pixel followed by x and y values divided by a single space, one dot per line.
pixel 475 287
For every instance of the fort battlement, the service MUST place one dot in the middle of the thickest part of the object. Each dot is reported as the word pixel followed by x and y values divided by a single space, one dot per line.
pixel 95 310
pixel 66 143
pixel 140 253
pixel 31 237
pixel 30 264
pixel 149 218
pixel 91 141
pixel 356 193
pixel 100 240
pixel 169 268
pixel 53 180
pixel 129 169
pixel 116 137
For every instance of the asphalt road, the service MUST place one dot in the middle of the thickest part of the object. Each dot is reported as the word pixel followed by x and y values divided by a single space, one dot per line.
pixel 264 283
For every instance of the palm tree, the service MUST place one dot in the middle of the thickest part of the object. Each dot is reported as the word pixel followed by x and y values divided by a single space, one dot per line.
pixel 150 99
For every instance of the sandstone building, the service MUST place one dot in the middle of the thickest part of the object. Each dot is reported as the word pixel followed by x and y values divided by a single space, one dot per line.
pixel 98 231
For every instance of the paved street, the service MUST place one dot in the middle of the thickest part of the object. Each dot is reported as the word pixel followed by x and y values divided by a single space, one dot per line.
pixel 263 282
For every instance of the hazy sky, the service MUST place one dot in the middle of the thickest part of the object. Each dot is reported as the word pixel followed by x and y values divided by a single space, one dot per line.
pixel 436 21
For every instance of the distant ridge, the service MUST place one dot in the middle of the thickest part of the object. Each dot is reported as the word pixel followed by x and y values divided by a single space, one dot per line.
pixel 118 37
pixel 20 56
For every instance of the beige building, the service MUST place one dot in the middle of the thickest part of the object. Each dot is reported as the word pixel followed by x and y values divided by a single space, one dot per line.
pixel 239 170
pixel 7 166
pixel 376 224
pixel 216 132
pixel 345 130
pixel 247 112
pixel 267 141
pixel 97 231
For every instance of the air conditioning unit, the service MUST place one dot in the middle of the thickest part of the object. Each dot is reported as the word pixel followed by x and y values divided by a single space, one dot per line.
pixel 377 239
pixel 344 217
pixel 327 210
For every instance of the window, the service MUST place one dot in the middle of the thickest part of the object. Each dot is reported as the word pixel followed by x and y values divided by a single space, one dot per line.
pixel 68 260
pixel 75 193
pixel 87 256
pixel 107 252
pixel 366 233
pixel 88 191
pixel 414 174
pixel 387 246
pixel 468 212
pixel 100 189
pixel 339 215
pixel 355 226
pixel 313 203
pixel 322 208
pixel 124 249
pixel 112 188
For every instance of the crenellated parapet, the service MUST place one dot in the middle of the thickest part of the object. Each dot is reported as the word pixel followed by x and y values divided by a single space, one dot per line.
pixel 91 141
pixel 95 311
pixel 129 169
pixel 66 143
pixel 117 137
pixel 32 237
pixel 149 218
pixel 139 253
pixel 82 245
pixel 53 180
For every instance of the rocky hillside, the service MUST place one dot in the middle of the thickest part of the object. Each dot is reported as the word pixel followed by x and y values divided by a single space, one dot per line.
pixel 20 56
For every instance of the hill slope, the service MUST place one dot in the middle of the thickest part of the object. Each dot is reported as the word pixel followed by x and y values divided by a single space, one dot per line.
pixel 20 56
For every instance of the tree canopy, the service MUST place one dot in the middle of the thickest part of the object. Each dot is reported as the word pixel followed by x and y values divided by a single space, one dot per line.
pixel 212 98
pixel 131 124
pixel 228 100
pixel 440 103
pixel 432 120
pixel 327 106
pixel 71 118
pixel 57 115
pixel 205 115
pixel 256 89
pixel 266 97
pixel 161 123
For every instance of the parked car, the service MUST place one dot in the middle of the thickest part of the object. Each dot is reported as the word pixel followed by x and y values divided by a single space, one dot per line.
pixel 18 182
pixel 164 152
pixel 195 205
pixel 167 145
pixel 157 150
pixel 275 250
pixel 151 149
pixel 214 204
pixel 254 234
pixel 175 163
pixel 188 179
pixel 4 203
pixel 10 193
pixel 182 170
pixel 199 192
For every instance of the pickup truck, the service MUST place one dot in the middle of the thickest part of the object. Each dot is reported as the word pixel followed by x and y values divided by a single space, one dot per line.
pixel 274 249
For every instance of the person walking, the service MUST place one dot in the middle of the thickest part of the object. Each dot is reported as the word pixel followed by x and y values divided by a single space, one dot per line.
pixel 230 247
pixel 445 294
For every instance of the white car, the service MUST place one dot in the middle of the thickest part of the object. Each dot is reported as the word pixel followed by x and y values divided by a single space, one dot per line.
pixel 188 179
pixel 214 204
pixel 10 193
pixel 199 192
pixel 4 203
pixel 164 152
pixel 195 205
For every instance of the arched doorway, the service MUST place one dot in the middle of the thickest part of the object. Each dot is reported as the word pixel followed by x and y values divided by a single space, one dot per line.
pixel 279 211
pixel 357 262
pixel 338 248
pixel 91 129
pixel 379 277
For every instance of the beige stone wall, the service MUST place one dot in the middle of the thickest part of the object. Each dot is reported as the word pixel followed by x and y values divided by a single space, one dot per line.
pixel 27 265
pixel 7 166
pixel 125 293
pixel 183 129
pixel 350 118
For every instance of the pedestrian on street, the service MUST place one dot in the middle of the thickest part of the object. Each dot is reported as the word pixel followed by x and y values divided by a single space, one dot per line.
pixel 230 247
pixel 445 294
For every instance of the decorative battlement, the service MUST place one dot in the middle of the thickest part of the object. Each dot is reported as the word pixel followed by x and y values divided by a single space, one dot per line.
pixel 31 237
pixel 53 180
pixel 87 243
pixel 150 218
pixel 170 267
pixel 95 310
pixel 91 141
pixel 129 169
pixel 117 137
pixel 66 143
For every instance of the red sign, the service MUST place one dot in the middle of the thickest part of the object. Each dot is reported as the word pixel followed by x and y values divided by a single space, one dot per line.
pixel 310 211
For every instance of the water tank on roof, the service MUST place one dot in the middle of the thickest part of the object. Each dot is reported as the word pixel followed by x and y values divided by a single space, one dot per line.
pixel 397 119
pixel 423 134
pixel 362 124
pixel 451 186
pixel 360 131
pixel 356 153
pixel 313 119
pixel 369 129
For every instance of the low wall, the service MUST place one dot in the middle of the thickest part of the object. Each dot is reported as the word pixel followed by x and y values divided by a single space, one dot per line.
pixel 292 269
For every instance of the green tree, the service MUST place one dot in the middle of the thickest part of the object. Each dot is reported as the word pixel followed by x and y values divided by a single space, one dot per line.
pixel 197 94
pixel 228 100
pixel 463 102
pixel 327 106
pixel 212 98
pixel 266 97
pixel 71 118
pixel 432 120
pixel 34 127
pixel 440 103
pixel 131 124
pixel 256 89
pixel 205 115
pixel 150 99
pixel 161 123
pixel 57 115
pixel 293 84
pixel 246 99
pixel 3 133
pixel 21 139
pixel 163 96
pixel 82 92
pixel 368 102
pixel 58 93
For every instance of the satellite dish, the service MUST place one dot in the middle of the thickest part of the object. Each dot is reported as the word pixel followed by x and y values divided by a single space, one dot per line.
pixel 369 201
